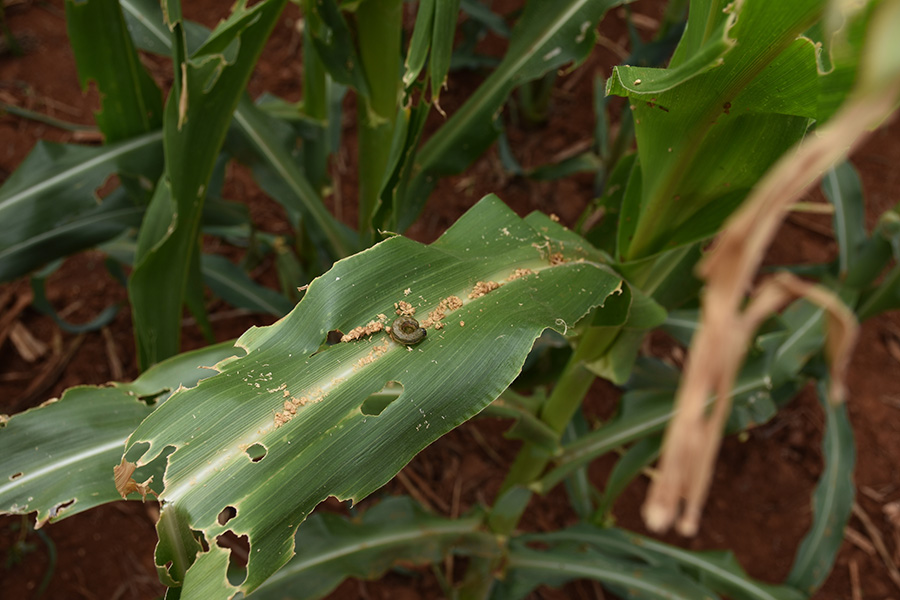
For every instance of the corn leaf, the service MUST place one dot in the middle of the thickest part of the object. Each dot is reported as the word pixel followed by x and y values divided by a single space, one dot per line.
pixel 301 403
pixel 395 532
pixel 740 78
pixel 420 42
pixel 527 568
pixel 49 205
pixel 548 36
pixel 104 52
pixel 232 284
pixel 832 501
pixel 208 86
pixel 843 189
pixel 717 571
pixel 58 458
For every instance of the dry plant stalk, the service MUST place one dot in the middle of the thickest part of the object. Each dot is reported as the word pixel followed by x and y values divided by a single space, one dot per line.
pixel 692 439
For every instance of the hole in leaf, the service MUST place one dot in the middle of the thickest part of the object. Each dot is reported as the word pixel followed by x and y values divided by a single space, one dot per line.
pixel 332 338
pixel 16 475
pixel 375 404
pixel 227 514
pixel 201 539
pixel 152 399
pixel 256 452
pixel 54 512
pixel 238 550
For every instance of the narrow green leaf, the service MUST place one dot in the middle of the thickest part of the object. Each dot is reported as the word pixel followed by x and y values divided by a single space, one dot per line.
pixel 527 426
pixel 408 128
pixel 636 459
pixel 396 531
pixel 49 206
pixel 58 457
pixel 547 37
pixel 843 189
pixel 43 305
pixel 832 501
pixel 295 192
pixel 885 296
pixel 281 177
pixel 301 399
pixel 527 568
pixel 131 102
pixel 420 42
pixel 207 89
pixel 647 414
pixel 379 28
pixel 195 296
pixel 877 252
pixel 232 284
pixel 804 336
pixel 695 120
pixel 334 43
pixel 446 14
pixel 717 571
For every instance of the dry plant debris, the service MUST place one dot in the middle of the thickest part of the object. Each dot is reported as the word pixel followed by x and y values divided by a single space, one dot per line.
pixel 483 287
pixel 519 273
pixel 447 305
pixel 125 484
pixel 291 405
pixel 692 439
pixel 358 332
pixel 405 309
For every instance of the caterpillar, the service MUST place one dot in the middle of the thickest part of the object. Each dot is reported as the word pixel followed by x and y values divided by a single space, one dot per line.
pixel 406 331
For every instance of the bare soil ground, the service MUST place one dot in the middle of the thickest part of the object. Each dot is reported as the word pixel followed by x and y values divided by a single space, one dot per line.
pixel 759 506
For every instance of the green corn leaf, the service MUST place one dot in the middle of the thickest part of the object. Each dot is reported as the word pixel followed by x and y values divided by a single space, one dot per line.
pixel 334 43
pixel 378 33
pixel 632 462
pixel 304 402
pixel 643 414
pixel 43 305
pixel 131 102
pixel 396 531
pixel 527 568
pixel 648 405
pixel 232 284
pixel 877 251
pixel 740 78
pixel 446 14
pixel 843 189
pixel 58 458
pixel 832 501
pixel 49 206
pixel 885 296
pixel 717 571
pixel 804 335
pixel 274 167
pixel 420 42
pixel 408 128
pixel 279 174
pixel 207 89
pixel 548 36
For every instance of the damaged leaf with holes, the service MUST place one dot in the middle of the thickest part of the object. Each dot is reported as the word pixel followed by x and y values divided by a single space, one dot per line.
pixel 279 430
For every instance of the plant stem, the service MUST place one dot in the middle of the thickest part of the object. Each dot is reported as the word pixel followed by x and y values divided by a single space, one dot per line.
pixel 565 399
